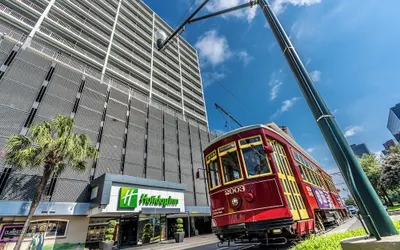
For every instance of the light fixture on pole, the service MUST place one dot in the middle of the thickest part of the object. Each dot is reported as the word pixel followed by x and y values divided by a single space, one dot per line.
pixel 160 37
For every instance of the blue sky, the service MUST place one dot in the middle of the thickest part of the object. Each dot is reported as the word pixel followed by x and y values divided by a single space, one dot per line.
pixel 350 47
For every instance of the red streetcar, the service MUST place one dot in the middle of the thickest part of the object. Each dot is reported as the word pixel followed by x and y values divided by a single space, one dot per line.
pixel 264 186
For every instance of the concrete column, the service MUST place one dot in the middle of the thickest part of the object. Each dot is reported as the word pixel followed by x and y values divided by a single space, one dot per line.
pixel 28 40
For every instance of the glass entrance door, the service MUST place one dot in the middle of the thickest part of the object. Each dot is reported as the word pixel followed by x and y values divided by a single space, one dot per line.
pixel 128 231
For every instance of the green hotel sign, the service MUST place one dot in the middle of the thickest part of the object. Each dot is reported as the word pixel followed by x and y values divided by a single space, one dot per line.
pixel 128 198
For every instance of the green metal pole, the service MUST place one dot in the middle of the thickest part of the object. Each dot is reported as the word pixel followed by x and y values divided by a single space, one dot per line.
pixel 376 218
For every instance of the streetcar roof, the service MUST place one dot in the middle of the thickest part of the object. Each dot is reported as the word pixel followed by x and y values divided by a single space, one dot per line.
pixel 272 127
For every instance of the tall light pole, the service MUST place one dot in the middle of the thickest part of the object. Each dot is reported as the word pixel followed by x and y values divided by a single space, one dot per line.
pixel 372 210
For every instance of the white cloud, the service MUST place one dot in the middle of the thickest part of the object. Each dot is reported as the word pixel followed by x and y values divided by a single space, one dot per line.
pixel 315 75
pixel 279 5
pixel 308 61
pixel 352 130
pixel 334 112
pixel 243 55
pixel 275 83
pixel 310 150
pixel 286 105
pixel 217 5
pixel 213 48
pixel 274 91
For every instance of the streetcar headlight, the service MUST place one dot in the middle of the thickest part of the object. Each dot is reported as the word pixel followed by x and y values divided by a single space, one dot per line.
pixel 235 201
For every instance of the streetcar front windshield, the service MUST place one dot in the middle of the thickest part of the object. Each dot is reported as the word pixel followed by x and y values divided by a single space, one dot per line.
pixel 255 161
pixel 231 167
pixel 213 174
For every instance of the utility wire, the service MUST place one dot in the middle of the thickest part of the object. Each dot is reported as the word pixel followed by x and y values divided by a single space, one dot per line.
pixel 183 16
pixel 227 90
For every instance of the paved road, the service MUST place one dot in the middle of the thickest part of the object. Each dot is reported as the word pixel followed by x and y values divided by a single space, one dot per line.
pixel 209 242
pixel 357 224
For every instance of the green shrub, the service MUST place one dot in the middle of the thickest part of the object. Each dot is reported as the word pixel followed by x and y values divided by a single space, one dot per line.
pixel 331 242
pixel 179 226
pixel 146 231
pixel 109 233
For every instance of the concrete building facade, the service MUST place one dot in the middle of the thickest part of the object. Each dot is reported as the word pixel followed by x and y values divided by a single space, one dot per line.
pixel 393 123
pixel 360 149
pixel 143 109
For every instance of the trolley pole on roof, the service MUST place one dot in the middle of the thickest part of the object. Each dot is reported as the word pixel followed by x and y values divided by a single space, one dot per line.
pixel 372 210
pixel 226 112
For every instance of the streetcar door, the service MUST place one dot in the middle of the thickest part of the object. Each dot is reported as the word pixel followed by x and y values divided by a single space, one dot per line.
pixel 290 187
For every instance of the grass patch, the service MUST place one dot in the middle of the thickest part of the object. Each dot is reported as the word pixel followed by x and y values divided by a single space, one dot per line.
pixel 393 208
pixel 331 242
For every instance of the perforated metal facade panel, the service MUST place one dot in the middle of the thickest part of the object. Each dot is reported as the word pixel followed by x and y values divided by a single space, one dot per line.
pixel 11 120
pixel 51 106
pixel 110 148
pixel 133 170
pixel 17 95
pixel 135 154
pixel 107 166
pixel 70 191
pixel 20 187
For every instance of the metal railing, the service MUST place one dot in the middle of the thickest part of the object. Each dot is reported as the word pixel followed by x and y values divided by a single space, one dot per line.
pixel 202 108
pixel 88 12
pixel 69 44
pixel 190 67
pixel 192 78
pixel 106 7
pixel 130 53
pixel 66 59
pixel 192 93
pixel 13 33
pixel 194 113
pixel 195 88
pixel 31 5
pixel 131 43
pixel 137 37
pixel 165 86
pixel 143 10
pixel 127 76
pixel 191 61
pixel 130 64
pixel 134 26
pixel 136 18
pixel 167 77
pixel 81 21
pixel 167 67
pixel 77 32
pixel 99 9
pixel 16 15
pixel 166 97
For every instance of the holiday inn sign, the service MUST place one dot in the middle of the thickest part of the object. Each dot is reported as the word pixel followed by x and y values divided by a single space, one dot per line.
pixel 129 199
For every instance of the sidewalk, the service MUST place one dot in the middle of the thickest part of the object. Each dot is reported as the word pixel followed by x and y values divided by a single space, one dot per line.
pixel 191 242
pixel 342 228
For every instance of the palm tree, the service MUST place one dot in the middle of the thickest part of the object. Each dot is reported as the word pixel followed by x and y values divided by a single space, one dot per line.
pixel 51 145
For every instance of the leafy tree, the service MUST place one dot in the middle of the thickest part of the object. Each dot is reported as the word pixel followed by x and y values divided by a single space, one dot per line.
pixel 391 169
pixel 349 201
pixel 372 168
pixel 52 146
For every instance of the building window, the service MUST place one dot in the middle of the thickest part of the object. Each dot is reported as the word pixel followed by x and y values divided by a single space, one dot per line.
pixel 230 163
pixel 213 174
pixel 51 228
pixel 254 159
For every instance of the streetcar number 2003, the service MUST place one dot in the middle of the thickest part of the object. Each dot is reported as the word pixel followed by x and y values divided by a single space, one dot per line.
pixel 234 190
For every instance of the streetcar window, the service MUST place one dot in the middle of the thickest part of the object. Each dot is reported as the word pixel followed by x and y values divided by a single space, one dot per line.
pixel 231 167
pixel 255 161
pixel 213 174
